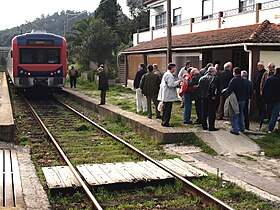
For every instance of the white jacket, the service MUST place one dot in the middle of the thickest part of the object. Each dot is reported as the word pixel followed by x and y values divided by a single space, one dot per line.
pixel 168 91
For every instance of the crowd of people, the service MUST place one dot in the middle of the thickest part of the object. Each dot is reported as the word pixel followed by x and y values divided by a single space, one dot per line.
pixel 216 94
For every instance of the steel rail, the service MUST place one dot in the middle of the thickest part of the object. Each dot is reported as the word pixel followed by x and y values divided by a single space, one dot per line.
pixel 188 186
pixel 84 186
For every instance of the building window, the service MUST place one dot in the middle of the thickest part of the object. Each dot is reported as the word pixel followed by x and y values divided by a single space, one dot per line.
pixel 245 4
pixel 177 16
pixel 161 20
pixel 207 9
pixel 240 58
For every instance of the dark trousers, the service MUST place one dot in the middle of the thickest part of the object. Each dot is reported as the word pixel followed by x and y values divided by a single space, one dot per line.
pixel 149 105
pixel 208 111
pixel 246 115
pixel 103 96
pixel 167 108
pixel 73 81
pixel 198 108
pixel 220 112
pixel 261 107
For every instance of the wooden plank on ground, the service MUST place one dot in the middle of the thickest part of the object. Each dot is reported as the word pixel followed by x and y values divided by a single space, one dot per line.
pixel 152 171
pixel 114 175
pixel 18 196
pixel 1 178
pixel 161 174
pixel 8 181
pixel 144 172
pixel 67 176
pixel 123 169
pixel 152 174
pixel 90 179
pixel 192 169
pixel 179 170
pixel 129 169
pixel 53 178
pixel 99 174
pixel 127 177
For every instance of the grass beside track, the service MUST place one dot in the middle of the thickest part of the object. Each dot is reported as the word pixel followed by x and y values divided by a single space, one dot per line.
pixel 164 197
pixel 270 144
pixel 125 99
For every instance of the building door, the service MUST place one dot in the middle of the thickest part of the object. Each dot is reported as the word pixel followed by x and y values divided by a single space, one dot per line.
pixel 207 57
pixel 240 58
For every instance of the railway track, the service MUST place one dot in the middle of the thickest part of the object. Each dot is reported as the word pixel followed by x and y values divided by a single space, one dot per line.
pixel 61 124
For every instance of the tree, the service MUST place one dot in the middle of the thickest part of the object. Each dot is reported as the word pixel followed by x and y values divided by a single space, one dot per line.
pixel 139 13
pixel 108 11
pixel 135 7
pixel 2 59
pixel 93 40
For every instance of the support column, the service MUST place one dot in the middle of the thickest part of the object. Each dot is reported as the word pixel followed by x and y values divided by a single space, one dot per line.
pixel 258 8
pixel 191 24
pixel 138 36
pixel 220 15
pixel 152 33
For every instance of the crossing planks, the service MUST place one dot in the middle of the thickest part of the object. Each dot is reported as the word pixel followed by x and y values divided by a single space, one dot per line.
pixel 60 177
pixel 112 173
pixel 10 182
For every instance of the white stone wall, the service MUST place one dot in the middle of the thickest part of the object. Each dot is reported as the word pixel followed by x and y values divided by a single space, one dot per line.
pixel 193 9
pixel 270 56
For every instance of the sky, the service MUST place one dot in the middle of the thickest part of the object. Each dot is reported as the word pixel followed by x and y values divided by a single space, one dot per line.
pixel 16 12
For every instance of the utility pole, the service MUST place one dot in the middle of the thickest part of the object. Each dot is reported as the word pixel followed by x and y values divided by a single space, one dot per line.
pixel 67 19
pixel 169 35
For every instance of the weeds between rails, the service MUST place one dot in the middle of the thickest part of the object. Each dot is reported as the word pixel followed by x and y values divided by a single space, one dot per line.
pixel 40 147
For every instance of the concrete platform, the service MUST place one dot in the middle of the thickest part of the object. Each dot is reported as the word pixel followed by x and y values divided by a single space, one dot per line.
pixel 239 172
pixel 140 124
pixel 225 143
pixel 7 125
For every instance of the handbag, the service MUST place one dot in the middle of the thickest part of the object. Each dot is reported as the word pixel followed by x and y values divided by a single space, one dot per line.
pixel 160 106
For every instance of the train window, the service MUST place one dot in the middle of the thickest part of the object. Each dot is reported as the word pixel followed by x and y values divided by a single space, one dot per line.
pixel 39 56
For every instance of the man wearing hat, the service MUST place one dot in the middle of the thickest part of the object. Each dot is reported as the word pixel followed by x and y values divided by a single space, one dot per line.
pixel 208 87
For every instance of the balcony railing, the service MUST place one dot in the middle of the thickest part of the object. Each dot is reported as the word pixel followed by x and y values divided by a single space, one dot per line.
pixel 228 13
pixel 270 5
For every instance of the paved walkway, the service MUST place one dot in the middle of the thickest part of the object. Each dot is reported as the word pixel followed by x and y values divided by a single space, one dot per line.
pixel 225 143
pixel 6 113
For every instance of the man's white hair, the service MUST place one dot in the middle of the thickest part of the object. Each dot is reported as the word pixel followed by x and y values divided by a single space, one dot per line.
pixel 244 73
pixel 227 64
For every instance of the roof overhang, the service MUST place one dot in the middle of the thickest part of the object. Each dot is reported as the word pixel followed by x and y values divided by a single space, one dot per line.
pixel 205 47
pixel 152 2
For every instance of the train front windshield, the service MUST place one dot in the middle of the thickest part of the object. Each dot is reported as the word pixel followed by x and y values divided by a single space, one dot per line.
pixel 39 56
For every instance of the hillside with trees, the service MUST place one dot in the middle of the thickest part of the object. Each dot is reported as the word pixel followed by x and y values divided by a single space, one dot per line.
pixel 108 31
pixel 52 23
pixel 96 37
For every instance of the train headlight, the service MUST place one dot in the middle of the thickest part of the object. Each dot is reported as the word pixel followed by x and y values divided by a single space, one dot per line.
pixel 51 73
pixel 21 72
pixel 28 73
pixel 58 71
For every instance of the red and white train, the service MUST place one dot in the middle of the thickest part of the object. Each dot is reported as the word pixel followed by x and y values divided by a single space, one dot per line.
pixel 37 59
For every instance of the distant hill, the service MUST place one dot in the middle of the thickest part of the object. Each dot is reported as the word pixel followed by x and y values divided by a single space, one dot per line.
pixel 52 24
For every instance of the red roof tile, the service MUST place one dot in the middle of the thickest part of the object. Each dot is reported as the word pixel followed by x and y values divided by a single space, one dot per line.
pixel 265 32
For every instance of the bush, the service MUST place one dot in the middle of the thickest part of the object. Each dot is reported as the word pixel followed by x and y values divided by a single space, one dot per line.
pixel 112 72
